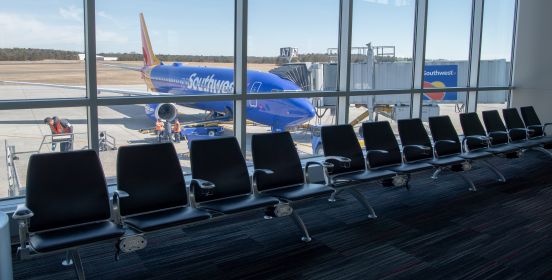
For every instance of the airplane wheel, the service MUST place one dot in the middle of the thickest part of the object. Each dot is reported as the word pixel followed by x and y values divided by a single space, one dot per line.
pixel 211 133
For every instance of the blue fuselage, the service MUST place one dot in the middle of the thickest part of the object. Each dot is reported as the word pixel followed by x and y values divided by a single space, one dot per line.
pixel 279 114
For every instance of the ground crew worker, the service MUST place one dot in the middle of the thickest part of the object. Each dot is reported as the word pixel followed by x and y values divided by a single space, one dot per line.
pixel 66 128
pixel 176 129
pixel 159 129
pixel 55 128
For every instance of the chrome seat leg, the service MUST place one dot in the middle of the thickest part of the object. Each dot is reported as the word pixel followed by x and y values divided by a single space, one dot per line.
pixel 334 194
pixel 299 222
pixel 501 177
pixel 544 151
pixel 75 259
pixel 436 173
pixel 468 181
pixel 362 199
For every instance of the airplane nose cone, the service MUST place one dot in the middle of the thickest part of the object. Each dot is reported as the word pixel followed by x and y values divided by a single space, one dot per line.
pixel 305 110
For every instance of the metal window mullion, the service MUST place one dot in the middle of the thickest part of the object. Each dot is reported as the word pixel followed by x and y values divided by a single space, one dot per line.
pixel 240 72
pixel 475 53
pixel 512 55
pixel 419 58
pixel 90 71
pixel 344 53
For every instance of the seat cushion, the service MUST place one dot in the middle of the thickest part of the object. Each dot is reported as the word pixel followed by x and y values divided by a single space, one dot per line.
pixel 543 140
pixel 364 176
pixel 446 160
pixel 503 149
pixel 526 143
pixel 240 204
pixel 167 218
pixel 75 236
pixel 411 167
pixel 300 191
pixel 477 154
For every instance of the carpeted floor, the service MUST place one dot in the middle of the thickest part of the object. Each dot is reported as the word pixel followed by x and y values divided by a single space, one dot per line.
pixel 437 230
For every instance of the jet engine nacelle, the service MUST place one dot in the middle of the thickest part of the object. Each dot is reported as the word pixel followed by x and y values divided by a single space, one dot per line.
pixel 163 111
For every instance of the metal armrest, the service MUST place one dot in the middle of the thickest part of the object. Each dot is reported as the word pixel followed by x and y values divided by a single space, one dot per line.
pixel 527 131
pixel 481 138
pixel 256 173
pixel 325 166
pixel 439 142
pixel 423 149
pixel 22 214
pixel 117 195
pixel 199 183
pixel 490 134
pixel 343 161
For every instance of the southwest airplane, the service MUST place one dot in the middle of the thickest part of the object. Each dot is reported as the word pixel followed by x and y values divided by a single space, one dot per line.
pixel 179 79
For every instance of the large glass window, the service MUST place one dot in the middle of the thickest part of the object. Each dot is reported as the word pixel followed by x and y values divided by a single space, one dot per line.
pixel 379 108
pixel 165 47
pixel 29 131
pixel 122 125
pixel 492 100
pixel 496 42
pixel 447 43
pixel 41 45
pixel 295 40
pixel 382 44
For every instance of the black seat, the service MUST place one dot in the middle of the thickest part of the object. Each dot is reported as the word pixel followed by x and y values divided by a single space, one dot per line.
pixel 221 162
pixel 277 152
pixel 68 213
pixel 516 128
pixel 500 134
pixel 152 176
pixel 533 122
pixel 445 155
pixel 378 137
pixel 341 141
pixel 447 142
pixel 476 139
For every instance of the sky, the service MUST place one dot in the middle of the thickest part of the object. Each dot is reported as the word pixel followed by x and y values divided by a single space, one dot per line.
pixel 205 27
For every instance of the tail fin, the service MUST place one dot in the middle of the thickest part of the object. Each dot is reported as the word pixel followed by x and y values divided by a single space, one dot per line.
pixel 149 57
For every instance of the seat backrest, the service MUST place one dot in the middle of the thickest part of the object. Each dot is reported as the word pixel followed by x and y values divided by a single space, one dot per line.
pixel 341 140
pixel 380 136
pixel 472 126
pixel 152 176
pixel 277 152
pixel 441 128
pixel 513 120
pixel 219 160
pixel 412 132
pixel 65 189
pixel 493 123
pixel 530 117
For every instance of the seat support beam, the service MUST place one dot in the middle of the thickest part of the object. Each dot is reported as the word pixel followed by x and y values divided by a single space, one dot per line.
pixel 501 177
pixel 362 199
pixel 301 225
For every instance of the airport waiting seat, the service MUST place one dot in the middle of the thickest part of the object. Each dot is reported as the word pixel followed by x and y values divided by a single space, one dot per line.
pixel 63 215
pixel 417 147
pixel 221 162
pixel 151 177
pixel 498 131
pixel 520 133
pixel 447 142
pixel 476 138
pixel 277 152
pixel 383 150
pixel 349 168
pixel 533 122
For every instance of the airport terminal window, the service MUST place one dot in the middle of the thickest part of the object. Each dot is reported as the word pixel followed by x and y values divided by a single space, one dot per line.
pixel 302 117
pixel 496 43
pixel 492 100
pixel 42 45
pixel 25 132
pixel 367 108
pixel 294 40
pixel 446 103
pixel 180 47
pixel 122 125
pixel 447 43
pixel 382 44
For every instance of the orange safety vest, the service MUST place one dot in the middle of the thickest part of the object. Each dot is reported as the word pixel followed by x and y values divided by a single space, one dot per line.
pixel 56 128
pixel 159 126
pixel 177 127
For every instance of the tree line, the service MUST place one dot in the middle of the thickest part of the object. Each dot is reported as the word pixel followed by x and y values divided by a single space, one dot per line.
pixel 31 54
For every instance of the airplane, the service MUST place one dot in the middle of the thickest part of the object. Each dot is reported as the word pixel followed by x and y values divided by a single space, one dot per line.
pixel 179 79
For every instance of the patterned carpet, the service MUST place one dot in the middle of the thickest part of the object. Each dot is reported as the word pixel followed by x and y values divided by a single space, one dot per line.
pixel 437 230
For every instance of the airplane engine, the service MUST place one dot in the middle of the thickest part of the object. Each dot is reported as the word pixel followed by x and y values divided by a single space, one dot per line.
pixel 166 111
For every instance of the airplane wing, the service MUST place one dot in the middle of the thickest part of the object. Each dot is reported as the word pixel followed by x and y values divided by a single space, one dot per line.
pixel 100 90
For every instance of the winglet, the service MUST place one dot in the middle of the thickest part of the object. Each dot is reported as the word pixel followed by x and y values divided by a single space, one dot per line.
pixel 149 57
